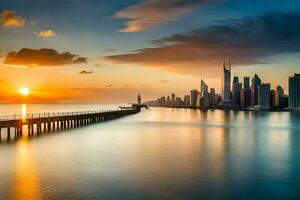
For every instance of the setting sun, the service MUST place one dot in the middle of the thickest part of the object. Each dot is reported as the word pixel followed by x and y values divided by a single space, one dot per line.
pixel 24 91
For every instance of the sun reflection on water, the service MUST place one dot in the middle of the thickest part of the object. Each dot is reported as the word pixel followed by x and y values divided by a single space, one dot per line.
pixel 27 180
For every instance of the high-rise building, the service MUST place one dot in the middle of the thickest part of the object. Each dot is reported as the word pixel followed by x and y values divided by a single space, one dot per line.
pixel 212 97
pixel 187 100
pixel 139 99
pixel 203 88
pixel 194 98
pixel 245 98
pixel 173 99
pixel 256 81
pixel 246 82
pixel 263 98
pixel 294 91
pixel 235 79
pixel 226 82
pixel 205 100
pixel 168 103
pixel 279 92
pixel 236 87
pixel 272 98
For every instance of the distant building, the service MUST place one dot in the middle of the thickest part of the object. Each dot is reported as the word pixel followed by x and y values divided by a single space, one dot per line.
pixel 246 82
pixel 294 91
pixel 212 97
pixel 173 99
pixel 168 102
pixel 263 98
pixel 279 92
pixel 139 99
pixel 272 98
pixel 256 81
pixel 226 81
pixel 194 97
pixel 203 88
pixel 245 98
pixel 187 100
pixel 178 102
pixel 236 87
pixel 205 100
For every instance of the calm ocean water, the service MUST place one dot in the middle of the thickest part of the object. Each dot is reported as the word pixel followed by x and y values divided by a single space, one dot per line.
pixel 160 153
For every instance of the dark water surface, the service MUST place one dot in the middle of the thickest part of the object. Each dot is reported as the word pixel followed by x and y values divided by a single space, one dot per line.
pixel 160 154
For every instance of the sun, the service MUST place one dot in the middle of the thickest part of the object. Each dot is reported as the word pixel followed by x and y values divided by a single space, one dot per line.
pixel 24 91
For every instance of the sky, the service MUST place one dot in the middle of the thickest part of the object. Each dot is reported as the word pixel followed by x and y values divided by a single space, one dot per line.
pixel 99 51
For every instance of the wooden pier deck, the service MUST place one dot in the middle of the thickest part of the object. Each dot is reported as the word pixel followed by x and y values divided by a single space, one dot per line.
pixel 46 122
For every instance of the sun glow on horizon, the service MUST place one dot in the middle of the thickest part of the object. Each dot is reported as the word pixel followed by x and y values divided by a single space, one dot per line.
pixel 24 91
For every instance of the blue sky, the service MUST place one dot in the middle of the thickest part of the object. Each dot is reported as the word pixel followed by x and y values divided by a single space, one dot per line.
pixel 106 33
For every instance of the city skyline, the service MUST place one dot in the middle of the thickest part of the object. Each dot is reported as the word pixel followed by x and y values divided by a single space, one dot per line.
pixel 113 51
pixel 237 95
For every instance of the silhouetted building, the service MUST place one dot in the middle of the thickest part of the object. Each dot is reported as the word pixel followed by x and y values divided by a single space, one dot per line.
pixel 246 82
pixel 256 81
pixel 194 98
pixel 278 94
pixel 294 91
pixel 203 88
pixel 212 97
pixel 187 100
pixel 236 87
pixel 226 81
pixel 263 92
pixel 245 98
pixel 272 98
pixel 139 99
pixel 173 99
pixel 204 100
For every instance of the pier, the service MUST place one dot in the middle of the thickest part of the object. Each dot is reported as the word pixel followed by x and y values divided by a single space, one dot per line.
pixel 47 122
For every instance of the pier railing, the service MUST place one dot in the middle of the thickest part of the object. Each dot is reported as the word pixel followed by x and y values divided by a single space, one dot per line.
pixel 52 114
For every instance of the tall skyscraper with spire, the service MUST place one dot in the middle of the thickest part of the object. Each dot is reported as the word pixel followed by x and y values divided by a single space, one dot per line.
pixel 226 81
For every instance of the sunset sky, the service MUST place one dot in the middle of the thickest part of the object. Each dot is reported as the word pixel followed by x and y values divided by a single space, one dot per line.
pixel 109 51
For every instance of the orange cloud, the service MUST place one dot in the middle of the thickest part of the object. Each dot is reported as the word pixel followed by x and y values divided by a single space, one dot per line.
pixel 47 34
pixel 9 19
pixel 42 57
pixel 150 13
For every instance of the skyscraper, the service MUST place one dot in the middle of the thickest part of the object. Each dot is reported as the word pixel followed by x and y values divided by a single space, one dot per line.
pixel 294 91
pixel 226 82
pixel 212 97
pixel 263 97
pixel 246 82
pixel 279 92
pixel 256 81
pixel 173 99
pixel 194 97
pixel 203 88
pixel 236 87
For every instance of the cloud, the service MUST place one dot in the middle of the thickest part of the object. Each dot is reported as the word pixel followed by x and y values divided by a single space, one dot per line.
pixel 246 41
pixel 42 57
pixel 150 13
pixel 108 86
pixel 86 72
pixel 47 34
pixel 9 18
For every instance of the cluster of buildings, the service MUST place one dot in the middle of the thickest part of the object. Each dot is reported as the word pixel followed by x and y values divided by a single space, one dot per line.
pixel 237 94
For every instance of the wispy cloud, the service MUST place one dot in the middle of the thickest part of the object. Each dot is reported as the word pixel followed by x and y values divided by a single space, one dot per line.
pixel 47 33
pixel 42 57
pixel 150 13
pixel 9 18
pixel 247 41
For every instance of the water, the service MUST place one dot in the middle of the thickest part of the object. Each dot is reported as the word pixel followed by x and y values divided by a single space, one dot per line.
pixel 158 154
